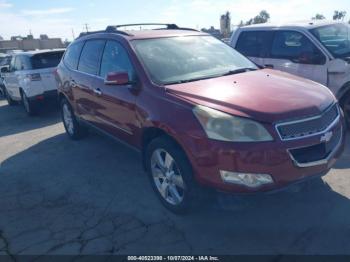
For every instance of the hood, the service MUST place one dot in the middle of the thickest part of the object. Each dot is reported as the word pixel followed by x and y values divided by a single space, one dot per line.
pixel 263 95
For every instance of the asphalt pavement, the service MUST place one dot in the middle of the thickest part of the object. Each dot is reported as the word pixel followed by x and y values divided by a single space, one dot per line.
pixel 92 196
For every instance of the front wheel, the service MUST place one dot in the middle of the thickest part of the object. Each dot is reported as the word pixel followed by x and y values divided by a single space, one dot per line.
pixel 170 174
pixel 73 128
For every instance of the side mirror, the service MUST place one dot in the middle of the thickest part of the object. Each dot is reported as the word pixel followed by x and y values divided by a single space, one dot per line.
pixel 117 78
pixel 5 69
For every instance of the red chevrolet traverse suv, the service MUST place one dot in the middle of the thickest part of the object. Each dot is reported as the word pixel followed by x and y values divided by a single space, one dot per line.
pixel 201 114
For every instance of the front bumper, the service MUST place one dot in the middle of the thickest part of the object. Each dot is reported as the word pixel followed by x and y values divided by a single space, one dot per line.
pixel 208 157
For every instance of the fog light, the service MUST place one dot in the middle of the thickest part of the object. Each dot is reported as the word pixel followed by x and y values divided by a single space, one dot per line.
pixel 249 180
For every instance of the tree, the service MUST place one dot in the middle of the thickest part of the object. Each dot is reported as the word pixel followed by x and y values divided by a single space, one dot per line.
pixel 261 18
pixel 339 15
pixel 318 17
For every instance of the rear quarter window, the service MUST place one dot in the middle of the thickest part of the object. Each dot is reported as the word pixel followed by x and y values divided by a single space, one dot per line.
pixel 46 60
pixel 71 57
pixel 253 43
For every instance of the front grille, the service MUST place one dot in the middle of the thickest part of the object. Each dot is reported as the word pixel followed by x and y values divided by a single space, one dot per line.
pixel 316 152
pixel 309 126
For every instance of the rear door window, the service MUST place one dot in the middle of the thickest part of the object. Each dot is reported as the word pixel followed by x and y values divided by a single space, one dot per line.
pixel 46 60
pixel 71 57
pixel 90 56
pixel 254 43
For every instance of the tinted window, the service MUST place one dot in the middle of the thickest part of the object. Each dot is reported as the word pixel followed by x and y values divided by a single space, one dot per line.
pixel 71 57
pixel 115 59
pixel 253 43
pixel 90 56
pixel 295 46
pixel 46 60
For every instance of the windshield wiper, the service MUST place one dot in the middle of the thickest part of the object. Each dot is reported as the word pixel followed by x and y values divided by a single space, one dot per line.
pixel 190 80
pixel 239 71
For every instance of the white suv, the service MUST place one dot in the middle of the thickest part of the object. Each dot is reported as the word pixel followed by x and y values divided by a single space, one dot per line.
pixel 30 78
pixel 319 51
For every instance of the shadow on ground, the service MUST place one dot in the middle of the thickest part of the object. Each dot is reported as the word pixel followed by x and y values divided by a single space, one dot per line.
pixel 14 120
pixel 92 196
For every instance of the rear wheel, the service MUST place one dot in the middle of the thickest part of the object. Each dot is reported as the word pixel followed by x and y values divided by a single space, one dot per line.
pixel 170 174
pixel 73 128
pixel 29 106
pixel 10 101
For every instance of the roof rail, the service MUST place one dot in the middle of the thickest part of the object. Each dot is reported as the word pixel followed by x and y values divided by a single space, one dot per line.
pixel 108 30
pixel 167 26
pixel 114 29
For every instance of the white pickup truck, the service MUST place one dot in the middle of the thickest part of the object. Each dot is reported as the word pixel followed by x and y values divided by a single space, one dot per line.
pixel 317 50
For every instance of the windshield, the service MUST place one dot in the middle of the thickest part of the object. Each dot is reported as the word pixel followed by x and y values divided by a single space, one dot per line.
pixel 46 60
pixel 180 59
pixel 336 38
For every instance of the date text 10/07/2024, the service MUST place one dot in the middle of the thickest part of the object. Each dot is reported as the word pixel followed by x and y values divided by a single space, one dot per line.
pixel 173 258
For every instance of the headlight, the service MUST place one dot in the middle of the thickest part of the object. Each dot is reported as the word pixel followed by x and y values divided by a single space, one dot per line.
pixel 225 127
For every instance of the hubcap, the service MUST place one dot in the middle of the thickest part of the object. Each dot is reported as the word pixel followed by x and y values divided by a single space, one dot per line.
pixel 68 119
pixel 167 177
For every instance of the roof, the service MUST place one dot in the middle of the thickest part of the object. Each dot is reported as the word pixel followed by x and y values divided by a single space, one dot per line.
pixel 35 52
pixel 310 24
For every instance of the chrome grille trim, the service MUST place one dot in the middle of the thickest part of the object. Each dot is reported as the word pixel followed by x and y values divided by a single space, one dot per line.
pixel 332 124
pixel 322 161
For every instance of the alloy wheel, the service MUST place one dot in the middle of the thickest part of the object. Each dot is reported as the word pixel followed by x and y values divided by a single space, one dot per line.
pixel 68 119
pixel 167 177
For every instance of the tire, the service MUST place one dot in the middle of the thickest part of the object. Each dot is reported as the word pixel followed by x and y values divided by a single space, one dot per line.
pixel 159 152
pixel 10 101
pixel 73 128
pixel 29 106
pixel 345 104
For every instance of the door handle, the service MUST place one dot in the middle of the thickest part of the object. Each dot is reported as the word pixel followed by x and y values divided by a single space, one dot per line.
pixel 269 66
pixel 73 83
pixel 97 91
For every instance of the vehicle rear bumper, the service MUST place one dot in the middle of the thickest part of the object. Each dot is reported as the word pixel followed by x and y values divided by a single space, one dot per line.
pixel 47 95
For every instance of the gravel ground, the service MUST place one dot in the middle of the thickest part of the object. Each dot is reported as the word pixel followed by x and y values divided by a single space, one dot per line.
pixel 59 196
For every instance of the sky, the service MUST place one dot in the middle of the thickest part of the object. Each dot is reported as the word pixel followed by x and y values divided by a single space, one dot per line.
pixel 65 18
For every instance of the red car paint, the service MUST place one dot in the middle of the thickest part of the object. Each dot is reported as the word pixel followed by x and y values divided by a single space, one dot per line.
pixel 266 96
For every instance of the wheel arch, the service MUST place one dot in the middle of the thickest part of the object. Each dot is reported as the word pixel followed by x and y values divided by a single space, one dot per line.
pixel 151 133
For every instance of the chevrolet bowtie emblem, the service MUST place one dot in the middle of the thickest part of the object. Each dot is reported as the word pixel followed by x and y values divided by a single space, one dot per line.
pixel 327 137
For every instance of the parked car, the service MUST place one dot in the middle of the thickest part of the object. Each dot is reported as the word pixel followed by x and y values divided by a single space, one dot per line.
pixel 201 114
pixel 30 78
pixel 4 62
pixel 319 51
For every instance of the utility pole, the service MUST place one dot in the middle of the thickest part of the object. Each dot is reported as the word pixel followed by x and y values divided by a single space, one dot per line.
pixel 73 34
pixel 86 27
